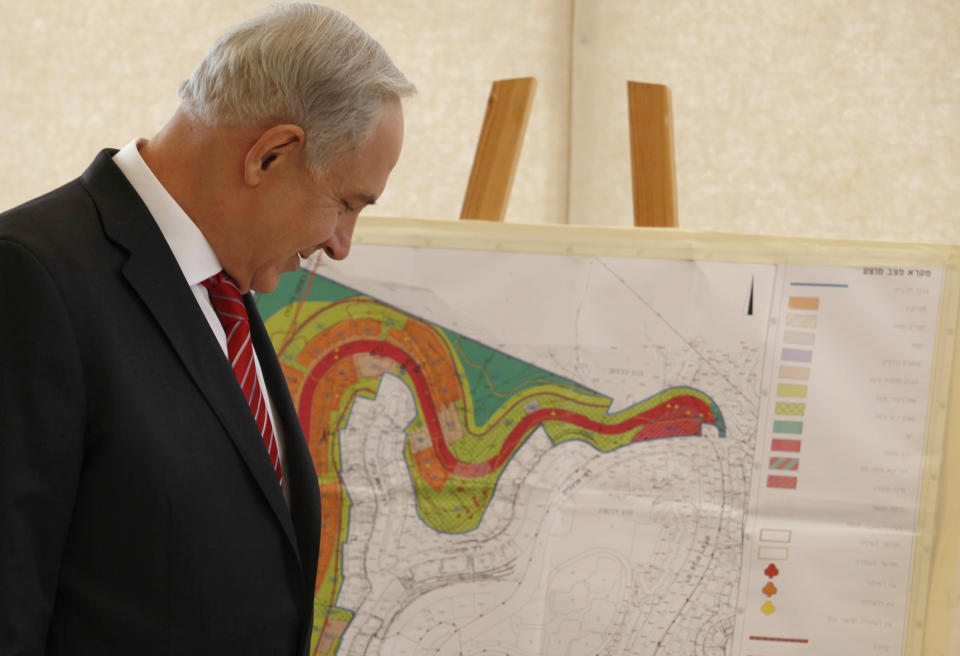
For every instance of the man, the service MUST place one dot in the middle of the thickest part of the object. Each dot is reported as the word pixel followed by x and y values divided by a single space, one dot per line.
pixel 156 492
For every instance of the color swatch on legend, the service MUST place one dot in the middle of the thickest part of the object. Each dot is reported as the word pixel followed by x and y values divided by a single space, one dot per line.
pixel 796 359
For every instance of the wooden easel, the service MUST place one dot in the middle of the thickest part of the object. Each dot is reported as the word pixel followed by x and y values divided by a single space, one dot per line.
pixel 498 150
pixel 501 138
pixel 652 166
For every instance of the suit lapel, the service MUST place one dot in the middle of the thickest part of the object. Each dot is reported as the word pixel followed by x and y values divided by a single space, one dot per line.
pixel 155 276
pixel 300 474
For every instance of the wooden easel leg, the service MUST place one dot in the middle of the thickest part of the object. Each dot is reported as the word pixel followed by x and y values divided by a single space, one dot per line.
pixel 498 150
pixel 651 155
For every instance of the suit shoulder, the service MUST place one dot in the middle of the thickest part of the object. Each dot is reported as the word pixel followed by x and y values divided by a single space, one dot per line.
pixel 69 199
pixel 58 221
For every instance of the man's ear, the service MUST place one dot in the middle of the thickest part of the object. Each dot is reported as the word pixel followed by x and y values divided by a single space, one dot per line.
pixel 278 147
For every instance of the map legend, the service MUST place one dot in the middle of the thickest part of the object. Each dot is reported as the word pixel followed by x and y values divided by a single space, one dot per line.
pixel 801 315
pixel 856 408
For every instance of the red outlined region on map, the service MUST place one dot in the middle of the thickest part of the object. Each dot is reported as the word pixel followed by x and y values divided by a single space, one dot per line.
pixel 683 417
pixel 333 352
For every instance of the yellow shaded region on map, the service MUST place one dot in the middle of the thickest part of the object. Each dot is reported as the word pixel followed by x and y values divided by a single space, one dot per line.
pixel 333 352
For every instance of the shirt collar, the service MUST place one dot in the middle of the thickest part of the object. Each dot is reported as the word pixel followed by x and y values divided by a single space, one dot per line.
pixel 190 248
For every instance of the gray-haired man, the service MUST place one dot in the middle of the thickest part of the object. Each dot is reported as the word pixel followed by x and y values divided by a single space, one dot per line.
pixel 156 492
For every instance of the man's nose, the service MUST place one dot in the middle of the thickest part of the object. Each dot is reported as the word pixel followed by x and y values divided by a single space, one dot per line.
pixel 337 247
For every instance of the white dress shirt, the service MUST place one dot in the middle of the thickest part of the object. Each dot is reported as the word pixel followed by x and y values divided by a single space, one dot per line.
pixel 192 251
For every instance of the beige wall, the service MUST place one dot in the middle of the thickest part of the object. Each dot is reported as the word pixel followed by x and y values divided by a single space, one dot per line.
pixel 807 117
pixel 815 117
pixel 81 76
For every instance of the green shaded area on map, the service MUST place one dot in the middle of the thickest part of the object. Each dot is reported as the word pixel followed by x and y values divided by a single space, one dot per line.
pixel 475 408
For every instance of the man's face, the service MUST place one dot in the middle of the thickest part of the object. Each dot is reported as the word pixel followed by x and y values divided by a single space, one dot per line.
pixel 300 214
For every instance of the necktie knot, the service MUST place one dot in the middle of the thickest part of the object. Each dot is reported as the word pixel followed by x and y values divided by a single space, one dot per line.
pixel 226 298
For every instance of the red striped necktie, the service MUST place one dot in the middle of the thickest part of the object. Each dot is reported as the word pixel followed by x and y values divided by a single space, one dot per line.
pixel 228 303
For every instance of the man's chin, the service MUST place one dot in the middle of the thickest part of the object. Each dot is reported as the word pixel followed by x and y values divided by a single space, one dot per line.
pixel 267 283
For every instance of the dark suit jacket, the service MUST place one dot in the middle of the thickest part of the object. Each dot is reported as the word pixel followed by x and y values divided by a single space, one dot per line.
pixel 139 512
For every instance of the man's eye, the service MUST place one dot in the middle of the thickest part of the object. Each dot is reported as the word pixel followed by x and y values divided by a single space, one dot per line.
pixel 346 206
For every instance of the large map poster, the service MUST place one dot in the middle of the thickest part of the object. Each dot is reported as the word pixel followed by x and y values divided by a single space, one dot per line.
pixel 572 454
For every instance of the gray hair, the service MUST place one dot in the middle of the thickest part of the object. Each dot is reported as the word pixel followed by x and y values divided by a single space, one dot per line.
pixel 298 63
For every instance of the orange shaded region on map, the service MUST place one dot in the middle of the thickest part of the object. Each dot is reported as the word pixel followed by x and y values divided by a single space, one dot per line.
pixel 342 350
